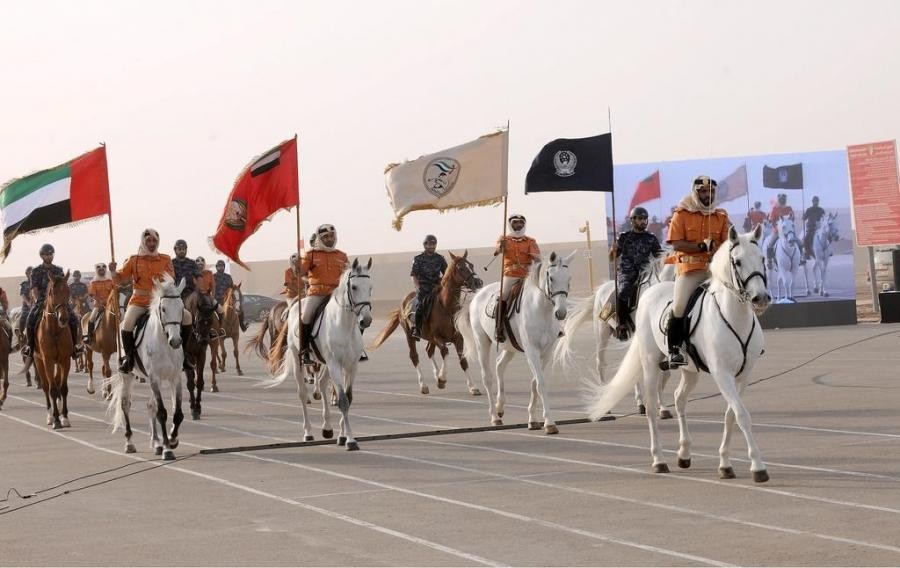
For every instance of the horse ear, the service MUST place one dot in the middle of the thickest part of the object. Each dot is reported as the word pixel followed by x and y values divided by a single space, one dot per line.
pixel 355 264
pixel 732 233
pixel 569 258
pixel 553 257
pixel 369 264
pixel 465 254
pixel 180 287
pixel 757 233
pixel 452 256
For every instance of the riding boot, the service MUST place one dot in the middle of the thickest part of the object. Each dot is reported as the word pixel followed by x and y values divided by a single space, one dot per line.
pixel 500 321
pixel 674 335
pixel 28 350
pixel 186 331
pixel 127 362
pixel 77 347
pixel 623 315
pixel 417 325
pixel 305 343
pixel 87 337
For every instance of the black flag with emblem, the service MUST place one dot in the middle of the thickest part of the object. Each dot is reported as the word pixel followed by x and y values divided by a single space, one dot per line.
pixel 573 164
pixel 783 177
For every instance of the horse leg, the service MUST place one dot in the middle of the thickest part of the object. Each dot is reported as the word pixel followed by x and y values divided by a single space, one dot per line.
pixel 200 361
pixel 343 383
pixel 125 403
pixel 106 389
pixel 429 352
pixel 503 360
pixel 237 359
pixel 651 400
pixel 414 357
pixel 664 413
pixel 160 422
pixel 299 377
pixel 604 332
pixel 89 365
pixel 737 412
pixel 213 366
pixel 63 381
pixel 442 374
pixel 322 384
pixel 685 386
pixel 538 362
pixel 192 399
pixel 464 364
pixel 178 415
pixel 483 350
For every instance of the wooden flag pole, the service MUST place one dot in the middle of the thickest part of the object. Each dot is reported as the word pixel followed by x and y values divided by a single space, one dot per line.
pixel 614 231
pixel 504 164
pixel 296 269
pixel 112 257
pixel 590 255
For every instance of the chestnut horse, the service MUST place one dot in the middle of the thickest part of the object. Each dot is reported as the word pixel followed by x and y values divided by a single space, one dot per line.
pixel 231 324
pixel 104 340
pixel 81 308
pixel 5 348
pixel 53 355
pixel 439 329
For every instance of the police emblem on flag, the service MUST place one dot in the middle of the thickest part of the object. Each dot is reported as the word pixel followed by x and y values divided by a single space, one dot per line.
pixel 440 176
pixel 782 175
pixel 236 214
pixel 564 162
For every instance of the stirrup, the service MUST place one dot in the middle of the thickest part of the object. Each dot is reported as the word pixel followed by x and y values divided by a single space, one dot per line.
pixel 676 359
pixel 364 356
pixel 305 359
pixel 126 365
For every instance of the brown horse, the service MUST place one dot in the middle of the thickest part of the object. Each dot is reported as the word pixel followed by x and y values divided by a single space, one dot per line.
pixel 231 323
pixel 5 348
pixel 271 326
pixel 438 329
pixel 104 341
pixel 53 353
pixel 192 303
pixel 81 307
pixel 195 350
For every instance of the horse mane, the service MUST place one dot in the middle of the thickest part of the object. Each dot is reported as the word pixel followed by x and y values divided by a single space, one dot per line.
pixel 534 275
pixel 451 269
pixel 656 263
pixel 163 287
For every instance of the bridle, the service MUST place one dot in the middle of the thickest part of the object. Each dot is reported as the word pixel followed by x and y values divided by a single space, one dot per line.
pixel 548 293
pixel 352 305
pixel 159 311
pixel 740 284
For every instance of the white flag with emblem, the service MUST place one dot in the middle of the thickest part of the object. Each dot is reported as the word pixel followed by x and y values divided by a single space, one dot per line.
pixel 468 175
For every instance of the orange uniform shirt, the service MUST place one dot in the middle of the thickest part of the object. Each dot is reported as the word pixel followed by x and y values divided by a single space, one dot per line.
pixel 757 217
pixel 324 269
pixel 207 283
pixel 517 258
pixel 99 290
pixel 291 284
pixel 695 228
pixel 778 212
pixel 144 271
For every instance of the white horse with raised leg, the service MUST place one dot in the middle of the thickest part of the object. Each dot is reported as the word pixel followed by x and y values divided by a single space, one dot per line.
pixel 162 358
pixel 787 259
pixel 826 233
pixel 582 309
pixel 535 327
pixel 728 340
pixel 338 340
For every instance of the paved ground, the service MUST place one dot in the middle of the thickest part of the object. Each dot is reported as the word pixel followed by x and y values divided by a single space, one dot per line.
pixel 828 430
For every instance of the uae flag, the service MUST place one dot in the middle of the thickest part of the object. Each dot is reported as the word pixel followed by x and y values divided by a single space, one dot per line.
pixel 647 190
pixel 69 193
pixel 734 186
pixel 783 177
pixel 266 185
pixel 577 164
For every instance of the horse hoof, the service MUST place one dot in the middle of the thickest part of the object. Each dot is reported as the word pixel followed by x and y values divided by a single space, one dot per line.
pixel 169 455
pixel 684 463
pixel 500 413
pixel 65 422
pixel 642 410
pixel 90 390
pixel 424 390
pixel 342 440
pixel 496 422
pixel 173 443
pixel 606 417
pixel 240 373
pixel 130 449
pixel 317 395
pixel 352 446
pixel 534 425
pixel 551 429
pixel 158 450
pixel 57 425
pixel 664 414
pixel 761 476
pixel 328 434
pixel 442 384
pixel 474 392
pixel 215 388
pixel 49 420
pixel 195 415
pixel 660 468
pixel 726 473
pixel 308 438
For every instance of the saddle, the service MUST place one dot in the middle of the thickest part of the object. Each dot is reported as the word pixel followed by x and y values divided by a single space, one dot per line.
pixel 426 304
pixel 140 327
pixel 316 327
pixel 610 309
pixel 689 322
pixel 513 306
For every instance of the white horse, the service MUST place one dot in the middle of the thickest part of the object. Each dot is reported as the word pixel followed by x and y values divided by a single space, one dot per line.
pixel 728 340
pixel 590 307
pixel 826 233
pixel 161 355
pixel 535 326
pixel 787 259
pixel 338 339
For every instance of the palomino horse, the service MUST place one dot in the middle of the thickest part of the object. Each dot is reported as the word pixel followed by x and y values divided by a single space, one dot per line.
pixel 105 339
pixel 439 329
pixel 787 259
pixel 160 361
pixel 81 308
pixel 826 233
pixel 5 348
pixel 535 327
pixel 195 351
pixel 231 324
pixel 53 353
pixel 590 307
pixel 728 340
pixel 338 339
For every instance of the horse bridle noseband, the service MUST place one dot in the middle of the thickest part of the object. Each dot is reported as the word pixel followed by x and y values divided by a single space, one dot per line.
pixel 741 284
pixel 549 293
pixel 355 307
pixel 159 311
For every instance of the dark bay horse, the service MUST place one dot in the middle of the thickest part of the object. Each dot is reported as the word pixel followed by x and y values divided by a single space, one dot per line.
pixel 439 329
pixel 231 324
pixel 5 348
pixel 195 350
pixel 53 355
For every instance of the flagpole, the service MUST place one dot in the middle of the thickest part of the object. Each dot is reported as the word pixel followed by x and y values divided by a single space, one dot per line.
pixel 112 256
pixel 299 241
pixel 504 175
pixel 590 255
pixel 615 231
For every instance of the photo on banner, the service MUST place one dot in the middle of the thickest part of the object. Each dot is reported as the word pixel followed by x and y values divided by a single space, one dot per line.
pixel 811 189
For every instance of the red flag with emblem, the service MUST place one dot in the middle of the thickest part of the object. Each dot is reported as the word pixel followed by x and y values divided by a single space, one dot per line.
pixel 647 190
pixel 266 185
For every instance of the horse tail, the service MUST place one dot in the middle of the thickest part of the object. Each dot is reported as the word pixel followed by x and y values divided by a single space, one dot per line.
pixel 120 400
pixel 257 343
pixel 602 397
pixel 463 322
pixel 392 324
pixel 580 311
pixel 276 354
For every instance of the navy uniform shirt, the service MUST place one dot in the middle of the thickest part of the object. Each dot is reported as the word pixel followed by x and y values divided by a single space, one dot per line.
pixel 813 215
pixel 25 288
pixel 635 250
pixel 223 283
pixel 185 268
pixel 429 269
pixel 40 278
pixel 78 289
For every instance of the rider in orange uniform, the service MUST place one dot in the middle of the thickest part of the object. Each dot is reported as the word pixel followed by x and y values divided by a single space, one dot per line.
pixel 323 266
pixel 292 282
pixel 99 290
pixel 781 209
pixel 206 284
pixel 519 251
pixel 143 270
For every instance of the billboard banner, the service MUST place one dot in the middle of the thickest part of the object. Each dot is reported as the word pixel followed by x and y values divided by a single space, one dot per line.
pixel 876 193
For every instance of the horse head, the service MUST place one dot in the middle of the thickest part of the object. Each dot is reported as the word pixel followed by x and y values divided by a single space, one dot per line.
pixel 57 302
pixel 462 272
pixel 786 227
pixel 169 308
pixel 740 268
pixel 556 281
pixel 359 291
pixel 237 297
pixel 832 230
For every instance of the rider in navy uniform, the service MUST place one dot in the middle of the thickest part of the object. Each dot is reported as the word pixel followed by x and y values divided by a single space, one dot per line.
pixel 77 288
pixel 185 268
pixel 427 270
pixel 223 282
pixel 40 280
pixel 634 249
pixel 811 218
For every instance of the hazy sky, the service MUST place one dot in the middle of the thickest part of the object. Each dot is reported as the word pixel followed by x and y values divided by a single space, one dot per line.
pixel 185 93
